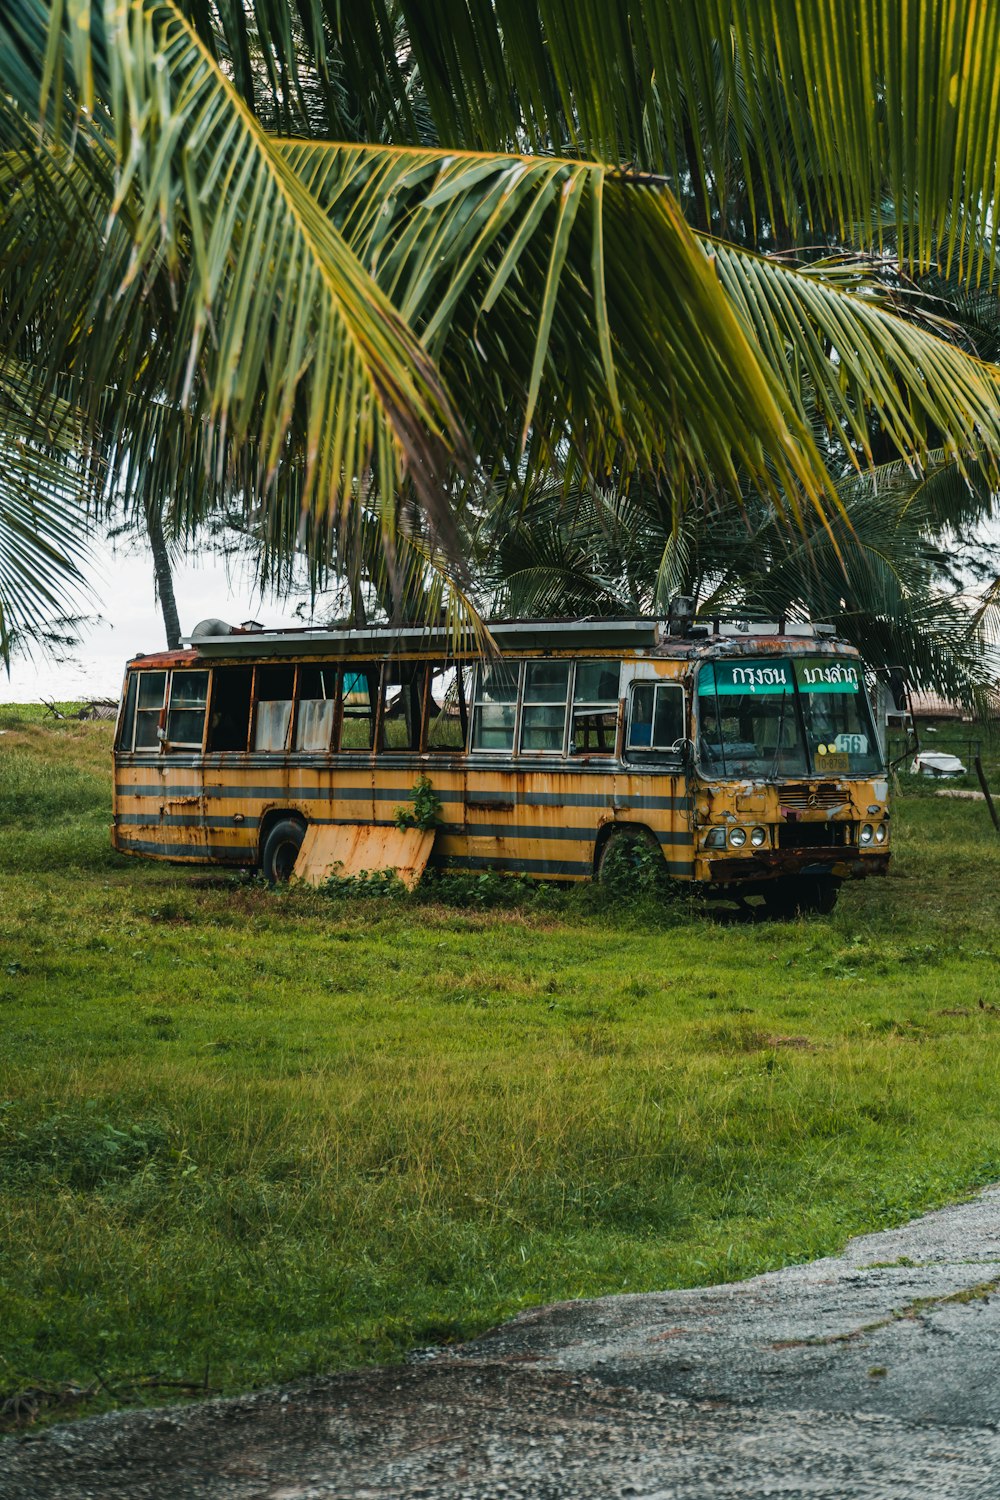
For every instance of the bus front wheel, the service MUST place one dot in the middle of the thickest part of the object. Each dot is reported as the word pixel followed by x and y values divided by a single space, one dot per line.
pixel 281 850
pixel 799 895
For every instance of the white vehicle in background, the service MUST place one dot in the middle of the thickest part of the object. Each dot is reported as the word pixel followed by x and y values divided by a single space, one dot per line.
pixel 936 763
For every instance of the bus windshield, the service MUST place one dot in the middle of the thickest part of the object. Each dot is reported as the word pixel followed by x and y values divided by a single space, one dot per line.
pixel 773 717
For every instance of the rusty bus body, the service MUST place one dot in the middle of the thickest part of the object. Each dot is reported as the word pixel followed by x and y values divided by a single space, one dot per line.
pixel 748 757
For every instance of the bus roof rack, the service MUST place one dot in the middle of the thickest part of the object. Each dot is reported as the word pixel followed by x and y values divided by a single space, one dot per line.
pixel 380 640
pixel 749 624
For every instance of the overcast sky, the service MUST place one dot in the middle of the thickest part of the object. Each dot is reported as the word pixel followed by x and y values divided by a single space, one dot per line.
pixel 131 622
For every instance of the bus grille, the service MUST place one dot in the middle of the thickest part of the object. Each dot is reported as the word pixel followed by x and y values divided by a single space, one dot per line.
pixel 814 835
pixel 824 794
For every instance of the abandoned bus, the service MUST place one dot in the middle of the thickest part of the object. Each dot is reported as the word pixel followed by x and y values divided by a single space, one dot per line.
pixel 747 755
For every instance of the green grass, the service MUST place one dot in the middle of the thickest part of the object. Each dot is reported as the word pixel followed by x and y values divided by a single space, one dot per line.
pixel 266 1134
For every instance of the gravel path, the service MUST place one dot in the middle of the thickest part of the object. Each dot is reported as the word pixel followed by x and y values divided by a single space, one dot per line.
pixel 875 1374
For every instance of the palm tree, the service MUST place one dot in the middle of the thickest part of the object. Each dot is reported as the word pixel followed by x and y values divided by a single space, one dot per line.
pixel 311 257
pixel 881 570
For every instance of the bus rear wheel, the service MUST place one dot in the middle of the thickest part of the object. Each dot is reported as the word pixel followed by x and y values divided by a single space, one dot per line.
pixel 281 850
pixel 797 895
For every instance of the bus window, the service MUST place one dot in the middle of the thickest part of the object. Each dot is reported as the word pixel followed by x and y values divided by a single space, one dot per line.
pixel 273 690
pixel 127 729
pixel 447 714
pixel 149 709
pixel 495 707
pixel 186 714
pixel 315 715
pixel 357 729
pixel 656 718
pixel 543 716
pixel 402 705
pixel 229 719
pixel 595 708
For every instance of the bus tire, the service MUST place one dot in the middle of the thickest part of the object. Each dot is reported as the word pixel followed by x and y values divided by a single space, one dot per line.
pixel 281 850
pixel 624 842
pixel 798 895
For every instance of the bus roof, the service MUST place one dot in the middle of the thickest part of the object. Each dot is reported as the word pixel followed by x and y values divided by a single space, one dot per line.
pixel 510 636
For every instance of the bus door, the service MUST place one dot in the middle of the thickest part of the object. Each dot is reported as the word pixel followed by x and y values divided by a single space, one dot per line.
pixel 654 788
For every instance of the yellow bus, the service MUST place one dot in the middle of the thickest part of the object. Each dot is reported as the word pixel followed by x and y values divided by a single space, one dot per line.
pixel 747 755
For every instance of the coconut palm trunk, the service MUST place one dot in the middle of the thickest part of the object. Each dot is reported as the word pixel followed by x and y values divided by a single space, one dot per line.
pixel 163 573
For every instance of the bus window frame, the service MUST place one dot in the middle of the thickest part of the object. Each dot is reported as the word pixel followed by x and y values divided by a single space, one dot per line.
pixel 594 706
pixel 509 751
pixel 325 666
pixel 525 703
pixel 157 747
pixel 652 754
pixel 464 702
pixel 255 703
pixel 191 746
pixel 371 671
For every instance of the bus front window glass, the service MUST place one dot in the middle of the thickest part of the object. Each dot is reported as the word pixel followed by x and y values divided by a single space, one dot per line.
pixel 748 719
pixel 837 718
pixel 186 714
pixel 273 689
pixel 595 708
pixel 496 707
pixel 149 707
pixel 317 705
pixel 543 716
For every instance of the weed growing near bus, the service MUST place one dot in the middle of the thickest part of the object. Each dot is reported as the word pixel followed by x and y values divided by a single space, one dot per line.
pixel 426 810
pixel 263 1133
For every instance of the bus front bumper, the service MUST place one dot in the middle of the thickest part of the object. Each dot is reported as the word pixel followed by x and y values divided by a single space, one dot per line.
pixel 770 864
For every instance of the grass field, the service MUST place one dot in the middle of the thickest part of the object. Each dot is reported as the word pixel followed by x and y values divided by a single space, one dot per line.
pixel 249 1135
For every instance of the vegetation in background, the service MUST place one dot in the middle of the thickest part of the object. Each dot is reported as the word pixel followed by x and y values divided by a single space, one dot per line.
pixel 247 1135
pixel 641 237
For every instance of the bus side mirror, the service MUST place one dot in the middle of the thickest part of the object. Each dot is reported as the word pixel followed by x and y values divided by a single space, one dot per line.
pixel 896 678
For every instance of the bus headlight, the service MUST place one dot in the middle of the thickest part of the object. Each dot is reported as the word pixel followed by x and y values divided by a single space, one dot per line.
pixel 758 837
pixel 867 834
pixel 737 837
pixel 881 834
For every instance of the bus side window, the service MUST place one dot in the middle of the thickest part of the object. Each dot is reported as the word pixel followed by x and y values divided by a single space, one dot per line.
pixel 316 713
pixel 595 708
pixel 447 711
pixel 186 713
pixel 495 706
pixel 357 717
pixel 149 709
pixel 127 729
pixel 274 689
pixel 656 717
pixel 403 687
pixel 543 714
pixel 229 717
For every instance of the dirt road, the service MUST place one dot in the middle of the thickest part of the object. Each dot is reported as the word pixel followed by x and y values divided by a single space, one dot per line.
pixel 875 1374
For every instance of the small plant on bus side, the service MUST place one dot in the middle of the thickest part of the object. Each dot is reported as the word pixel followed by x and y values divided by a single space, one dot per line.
pixel 426 810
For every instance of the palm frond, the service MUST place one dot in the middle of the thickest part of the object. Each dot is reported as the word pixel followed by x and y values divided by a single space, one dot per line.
pixel 821 110
pixel 42 542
